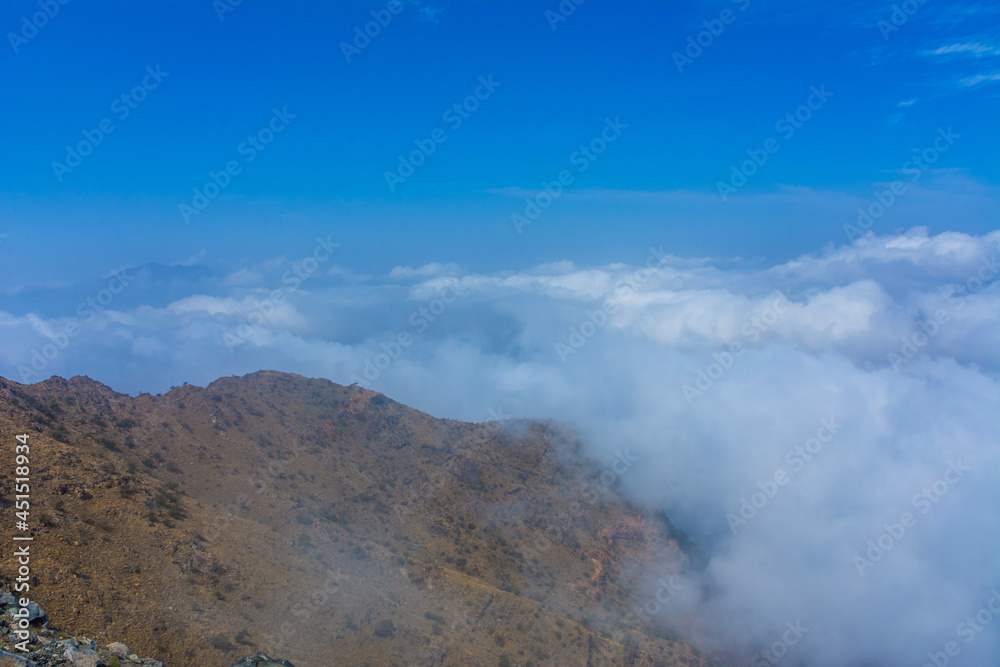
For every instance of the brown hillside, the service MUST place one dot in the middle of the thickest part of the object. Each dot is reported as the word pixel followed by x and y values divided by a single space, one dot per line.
pixel 326 525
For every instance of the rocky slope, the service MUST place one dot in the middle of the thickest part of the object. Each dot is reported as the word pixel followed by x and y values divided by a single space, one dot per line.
pixel 40 645
pixel 329 525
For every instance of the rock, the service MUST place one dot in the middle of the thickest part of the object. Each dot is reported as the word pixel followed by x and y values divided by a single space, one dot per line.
pixel 35 613
pixel 14 660
pixel 82 658
pixel 120 650
pixel 262 660
pixel 74 650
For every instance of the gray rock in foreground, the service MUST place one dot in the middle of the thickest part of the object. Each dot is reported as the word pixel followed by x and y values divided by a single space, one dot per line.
pixel 261 660
pixel 57 649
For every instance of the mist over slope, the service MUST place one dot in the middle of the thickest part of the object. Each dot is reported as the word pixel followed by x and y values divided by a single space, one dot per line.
pixel 825 429
pixel 332 526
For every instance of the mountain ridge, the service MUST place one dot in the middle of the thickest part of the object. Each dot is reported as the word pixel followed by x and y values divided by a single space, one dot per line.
pixel 321 522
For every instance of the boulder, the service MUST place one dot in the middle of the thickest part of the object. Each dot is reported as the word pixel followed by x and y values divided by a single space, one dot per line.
pixel 35 613
pixel 262 660
pixel 82 658
pixel 14 660
pixel 119 650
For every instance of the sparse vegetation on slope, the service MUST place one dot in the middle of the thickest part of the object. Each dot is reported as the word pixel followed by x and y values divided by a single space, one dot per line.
pixel 330 525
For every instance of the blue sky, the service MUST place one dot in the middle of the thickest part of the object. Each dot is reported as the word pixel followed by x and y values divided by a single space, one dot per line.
pixel 656 183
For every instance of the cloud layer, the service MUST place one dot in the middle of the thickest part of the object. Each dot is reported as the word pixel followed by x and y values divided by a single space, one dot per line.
pixel 824 429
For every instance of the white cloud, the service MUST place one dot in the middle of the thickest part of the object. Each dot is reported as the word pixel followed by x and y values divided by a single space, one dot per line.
pixel 966 48
pixel 207 304
pixel 242 276
pixel 980 78
pixel 432 269
pixel 824 354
